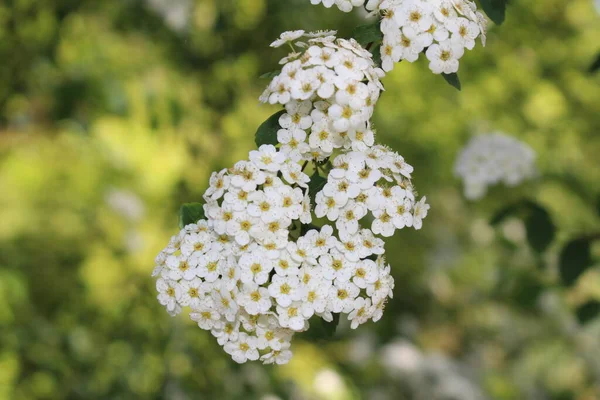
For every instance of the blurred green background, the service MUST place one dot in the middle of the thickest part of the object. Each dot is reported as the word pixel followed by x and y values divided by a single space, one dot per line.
pixel 114 112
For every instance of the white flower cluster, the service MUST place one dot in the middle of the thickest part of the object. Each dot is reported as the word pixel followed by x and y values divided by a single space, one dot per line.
pixel 443 29
pixel 329 91
pixel 354 188
pixel 489 159
pixel 256 270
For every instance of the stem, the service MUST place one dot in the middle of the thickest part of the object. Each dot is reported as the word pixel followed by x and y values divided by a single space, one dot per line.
pixel 304 165
pixel 368 46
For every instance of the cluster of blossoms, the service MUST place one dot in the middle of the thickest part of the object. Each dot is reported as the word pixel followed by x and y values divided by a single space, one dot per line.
pixel 329 90
pixel 361 182
pixel 443 29
pixel 489 159
pixel 255 270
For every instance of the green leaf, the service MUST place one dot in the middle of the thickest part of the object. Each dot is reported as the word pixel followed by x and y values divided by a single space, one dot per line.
pixel 267 131
pixel 588 311
pixel 369 33
pixel 190 213
pixel 495 9
pixel 376 51
pixel 315 185
pixel 575 258
pixel 270 75
pixel 307 227
pixel 452 79
pixel 504 213
pixel 540 228
pixel 330 327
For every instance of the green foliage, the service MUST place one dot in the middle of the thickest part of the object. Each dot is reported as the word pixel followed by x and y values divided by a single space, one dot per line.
pixel 190 213
pixel 453 80
pixel 369 33
pixel 317 182
pixel 270 75
pixel 104 95
pixel 575 258
pixel 538 222
pixel 267 131
pixel 495 9
pixel 588 311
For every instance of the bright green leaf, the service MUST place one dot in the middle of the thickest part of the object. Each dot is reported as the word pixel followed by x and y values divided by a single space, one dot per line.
pixel 190 213
pixel 369 33
pixel 452 79
pixel 267 131
pixel 575 258
pixel 495 9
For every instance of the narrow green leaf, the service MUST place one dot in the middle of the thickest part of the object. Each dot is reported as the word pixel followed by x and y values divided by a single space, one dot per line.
pixel 495 9
pixel 453 80
pixel 315 185
pixel 588 311
pixel 267 131
pixel 540 228
pixel 575 258
pixel 190 213
pixel 369 33
pixel 270 75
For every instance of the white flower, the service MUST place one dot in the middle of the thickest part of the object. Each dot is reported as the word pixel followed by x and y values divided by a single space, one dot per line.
pixel 206 315
pixel 278 357
pixel 283 289
pixel 291 316
pixel 255 267
pixel 383 223
pixel 288 36
pixel 464 32
pixel 285 265
pixel 225 304
pixel 247 176
pixel 210 266
pixel 169 293
pixel 322 240
pixel 315 298
pixel 420 212
pixel 218 184
pixel 292 173
pixel 361 313
pixel 267 158
pixel 347 222
pixel 297 116
pixel 180 267
pixel 293 143
pixel 342 295
pixel 444 57
pixel 265 205
pixel 242 349
pixel 365 273
pixel 191 293
pixel 336 266
pixel 254 299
